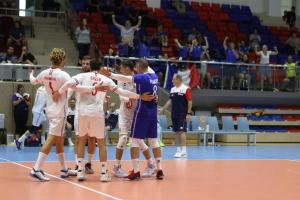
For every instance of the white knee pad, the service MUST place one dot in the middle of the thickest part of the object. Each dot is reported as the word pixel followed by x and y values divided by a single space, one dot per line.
pixel 136 142
pixel 143 146
pixel 153 142
pixel 122 142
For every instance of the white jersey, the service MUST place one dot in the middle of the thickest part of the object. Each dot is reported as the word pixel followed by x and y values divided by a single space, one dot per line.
pixel 53 79
pixel 40 100
pixel 126 103
pixel 265 59
pixel 91 104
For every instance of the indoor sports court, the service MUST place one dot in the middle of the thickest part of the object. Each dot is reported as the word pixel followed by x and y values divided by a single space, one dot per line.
pixel 149 99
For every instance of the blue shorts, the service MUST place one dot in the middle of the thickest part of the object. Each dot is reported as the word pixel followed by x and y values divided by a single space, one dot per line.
pixel 179 124
pixel 265 71
pixel 144 126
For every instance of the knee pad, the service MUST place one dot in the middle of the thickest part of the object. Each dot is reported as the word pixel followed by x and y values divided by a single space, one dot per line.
pixel 122 141
pixel 143 145
pixel 153 142
pixel 135 142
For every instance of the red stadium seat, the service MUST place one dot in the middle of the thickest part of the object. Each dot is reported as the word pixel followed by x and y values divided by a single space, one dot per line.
pixel 215 7
pixel 203 16
pixel 195 6
pixel 222 27
pixel 214 16
pixel 159 12
pixel 233 27
pixel 223 17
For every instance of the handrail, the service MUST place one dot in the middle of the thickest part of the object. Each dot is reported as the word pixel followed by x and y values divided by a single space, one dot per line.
pixel 29 66
pixel 35 10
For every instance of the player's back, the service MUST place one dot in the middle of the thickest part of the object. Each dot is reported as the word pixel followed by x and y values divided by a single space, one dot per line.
pixel 53 79
pixel 91 103
pixel 147 82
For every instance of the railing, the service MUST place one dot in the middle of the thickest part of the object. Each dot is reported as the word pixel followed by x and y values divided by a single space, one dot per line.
pixel 61 17
pixel 221 71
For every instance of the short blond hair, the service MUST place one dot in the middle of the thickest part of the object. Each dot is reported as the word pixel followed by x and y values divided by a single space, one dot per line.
pixel 57 55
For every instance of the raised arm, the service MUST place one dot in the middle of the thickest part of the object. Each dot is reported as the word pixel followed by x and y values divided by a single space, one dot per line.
pixel 178 43
pixel 206 43
pixel 225 43
pixel 275 52
pixel 258 53
pixel 119 26
pixel 139 22
pixel 33 80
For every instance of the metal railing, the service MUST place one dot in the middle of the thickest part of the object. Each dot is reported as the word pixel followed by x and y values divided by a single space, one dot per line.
pixel 19 72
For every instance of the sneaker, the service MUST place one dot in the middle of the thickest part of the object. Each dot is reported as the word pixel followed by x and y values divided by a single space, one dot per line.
pixel 67 173
pixel 134 176
pixel 160 175
pixel 39 174
pixel 80 175
pixel 118 171
pixel 183 154
pixel 149 170
pixel 18 144
pixel 88 168
pixel 177 154
pixel 161 144
pixel 105 177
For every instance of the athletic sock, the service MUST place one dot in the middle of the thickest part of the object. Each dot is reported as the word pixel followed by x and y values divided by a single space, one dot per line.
pixel 178 149
pixel 40 161
pixel 118 162
pixel 183 149
pixel 23 137
pixel 61 158
pixel 158 163
pixel 135 163
pixel 76 159
pixel 103 167
pixel 80 163
pixel 149 162
pixel 90 158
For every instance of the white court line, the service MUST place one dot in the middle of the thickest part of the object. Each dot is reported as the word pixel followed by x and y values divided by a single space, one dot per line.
pixel 72 183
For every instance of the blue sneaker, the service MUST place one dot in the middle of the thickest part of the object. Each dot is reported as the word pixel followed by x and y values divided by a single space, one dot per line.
pixel 18 144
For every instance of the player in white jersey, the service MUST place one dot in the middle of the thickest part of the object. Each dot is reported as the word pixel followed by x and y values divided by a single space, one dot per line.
pixel 125 121
pixel 91 114
pixel 53 78
pixel 38 116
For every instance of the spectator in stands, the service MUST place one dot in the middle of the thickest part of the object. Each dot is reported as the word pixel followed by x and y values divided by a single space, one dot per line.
pixel 183 49
pixel 196 49
pixel 181 102
pixel 143 47
pixel 291 17
pixel 127 32
pixel 291 73
pixel 17 35
pixel 157 37
pixel 232 55
pixel 243 48
pixel 244 73
pixel 193 35
pixel 164 40
pixel 179 6
pixel 265 71
pixel 203 72
pixel 83 38
pixel 254 39
pixel 294 43
pixel 21 102
pixel 26 57
pixel 9 56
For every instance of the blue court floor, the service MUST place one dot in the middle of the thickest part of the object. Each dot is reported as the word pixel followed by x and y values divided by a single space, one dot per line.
pixel 194 153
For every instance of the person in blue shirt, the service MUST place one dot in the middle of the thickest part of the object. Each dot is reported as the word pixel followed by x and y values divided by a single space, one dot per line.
pixel 196 49
pixel 183 49
pixel 143 49
pixel 144 123
pixel 232 55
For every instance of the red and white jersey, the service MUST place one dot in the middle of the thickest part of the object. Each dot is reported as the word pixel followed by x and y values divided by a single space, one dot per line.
pixel 40 100
pixel 53 79
pixel 91 103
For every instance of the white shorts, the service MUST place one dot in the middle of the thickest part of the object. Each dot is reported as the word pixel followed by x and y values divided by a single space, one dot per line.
pixel 38 118
pixel 125 121
pixel 57 126
pixel 91 126
pixel 76 125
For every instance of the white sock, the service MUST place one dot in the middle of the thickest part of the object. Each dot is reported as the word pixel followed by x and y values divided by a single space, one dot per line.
pixel 76 159
pixel 118 162
pixel 23 137
pixel 178 149
pixel 61 158
pixel 103 167
pixel 158 163
pixel 90 158
pixel 40 161
pixel 135 163
pixel 149 162
pixel 183 149
pixel 80 163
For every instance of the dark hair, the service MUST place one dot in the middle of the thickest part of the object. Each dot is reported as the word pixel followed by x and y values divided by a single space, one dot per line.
pixel 95 65
pixel 178 76
pixel 143 63
pixel 86 58
pixel 19 87
pixel 128 63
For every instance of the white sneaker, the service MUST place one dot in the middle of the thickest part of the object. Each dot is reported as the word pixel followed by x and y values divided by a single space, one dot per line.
pixel 39 174
pixel 80 175
pixel 67 173
pixel 177 154
pixel 105 177
pixel 183 154
pixel 118 171
pixel 149 170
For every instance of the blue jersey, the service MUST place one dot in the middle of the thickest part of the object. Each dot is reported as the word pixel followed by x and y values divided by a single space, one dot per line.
pixel 146 83
pixel 196 52
pixel 183 52
pixel 230 57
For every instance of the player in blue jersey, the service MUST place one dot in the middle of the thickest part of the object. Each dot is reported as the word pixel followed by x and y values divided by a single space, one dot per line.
pixel 144 123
